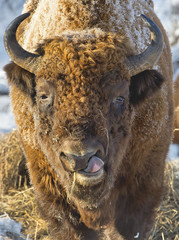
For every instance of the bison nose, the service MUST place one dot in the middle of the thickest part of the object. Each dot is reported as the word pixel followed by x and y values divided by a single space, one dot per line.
pixel 78 156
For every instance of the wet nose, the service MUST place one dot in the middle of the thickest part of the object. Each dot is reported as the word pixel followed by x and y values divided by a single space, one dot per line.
pixel 76 155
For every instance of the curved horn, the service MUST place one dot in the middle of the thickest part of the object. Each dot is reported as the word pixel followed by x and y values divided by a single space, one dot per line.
pixel 151 55
pixel 21 57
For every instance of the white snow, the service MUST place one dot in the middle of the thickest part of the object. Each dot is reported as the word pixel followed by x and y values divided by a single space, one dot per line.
pixel 173 152
pixel 54 14
pixel 8 225
pixel 137 235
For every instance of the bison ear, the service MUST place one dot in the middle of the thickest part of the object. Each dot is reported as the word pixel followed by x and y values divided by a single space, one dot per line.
pixel 21 78
pixel 144 85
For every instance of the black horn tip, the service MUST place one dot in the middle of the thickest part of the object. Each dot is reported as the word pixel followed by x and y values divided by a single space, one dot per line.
pixel 157 34
pixel 147 20
pixel 148 58
pixel 17 54
pixel 16 22
pixel 11 29
pixel 152 26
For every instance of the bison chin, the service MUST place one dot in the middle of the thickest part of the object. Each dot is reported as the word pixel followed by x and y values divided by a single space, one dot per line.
pixel 88 191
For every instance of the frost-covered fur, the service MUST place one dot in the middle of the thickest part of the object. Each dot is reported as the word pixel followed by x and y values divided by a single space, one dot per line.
pixel 50 18
pixel 72 100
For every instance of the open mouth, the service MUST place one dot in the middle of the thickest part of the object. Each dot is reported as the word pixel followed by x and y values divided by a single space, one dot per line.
pixel 94 167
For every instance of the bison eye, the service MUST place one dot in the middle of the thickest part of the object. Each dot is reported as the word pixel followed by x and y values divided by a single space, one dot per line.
pixel 45 101
pixel 119 104
pixel 43 97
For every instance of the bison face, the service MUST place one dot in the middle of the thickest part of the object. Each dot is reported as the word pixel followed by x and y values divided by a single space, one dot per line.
pixel 83 126
pixel 83 91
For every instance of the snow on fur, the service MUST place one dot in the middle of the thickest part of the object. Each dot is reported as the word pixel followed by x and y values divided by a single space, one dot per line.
pixel 51 18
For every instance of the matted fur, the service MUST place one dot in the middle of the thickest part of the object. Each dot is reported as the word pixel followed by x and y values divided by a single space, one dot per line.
pixel 71 101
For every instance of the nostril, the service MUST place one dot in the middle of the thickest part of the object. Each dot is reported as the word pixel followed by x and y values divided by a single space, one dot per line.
pixel 62 155
pixel 77 156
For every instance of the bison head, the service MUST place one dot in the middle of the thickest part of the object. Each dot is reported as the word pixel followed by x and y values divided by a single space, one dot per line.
pixel 83 91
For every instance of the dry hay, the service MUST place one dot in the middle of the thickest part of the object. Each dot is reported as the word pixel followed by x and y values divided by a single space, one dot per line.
pixel 20 205
pixel 167 221
pixel 13 172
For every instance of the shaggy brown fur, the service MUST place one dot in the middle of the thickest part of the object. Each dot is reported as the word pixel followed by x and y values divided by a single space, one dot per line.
pixel 82 94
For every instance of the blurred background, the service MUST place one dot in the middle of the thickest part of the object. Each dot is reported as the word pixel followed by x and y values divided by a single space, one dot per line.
pixel 167 11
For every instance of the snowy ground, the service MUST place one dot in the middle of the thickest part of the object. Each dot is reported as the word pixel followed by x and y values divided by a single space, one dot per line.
pixel 9 229
pixel 167 11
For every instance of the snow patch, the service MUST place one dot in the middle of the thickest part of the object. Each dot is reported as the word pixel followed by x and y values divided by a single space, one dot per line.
pixel 8 225
pixel 173 151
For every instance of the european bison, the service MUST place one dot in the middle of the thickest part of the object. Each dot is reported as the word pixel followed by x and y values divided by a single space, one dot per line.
pixel 94 117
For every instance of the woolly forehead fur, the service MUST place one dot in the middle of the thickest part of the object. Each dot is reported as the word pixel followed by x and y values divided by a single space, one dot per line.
pixel 78 67
pixel 50 18
pixel 75 56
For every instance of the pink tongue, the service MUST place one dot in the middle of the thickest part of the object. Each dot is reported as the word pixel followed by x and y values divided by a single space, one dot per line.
pixel 94 165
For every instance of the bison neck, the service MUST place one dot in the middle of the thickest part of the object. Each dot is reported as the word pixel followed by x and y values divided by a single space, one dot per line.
pixel 101 216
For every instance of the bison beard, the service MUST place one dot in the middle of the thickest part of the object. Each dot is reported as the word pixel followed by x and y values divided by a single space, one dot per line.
pixel 92 121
